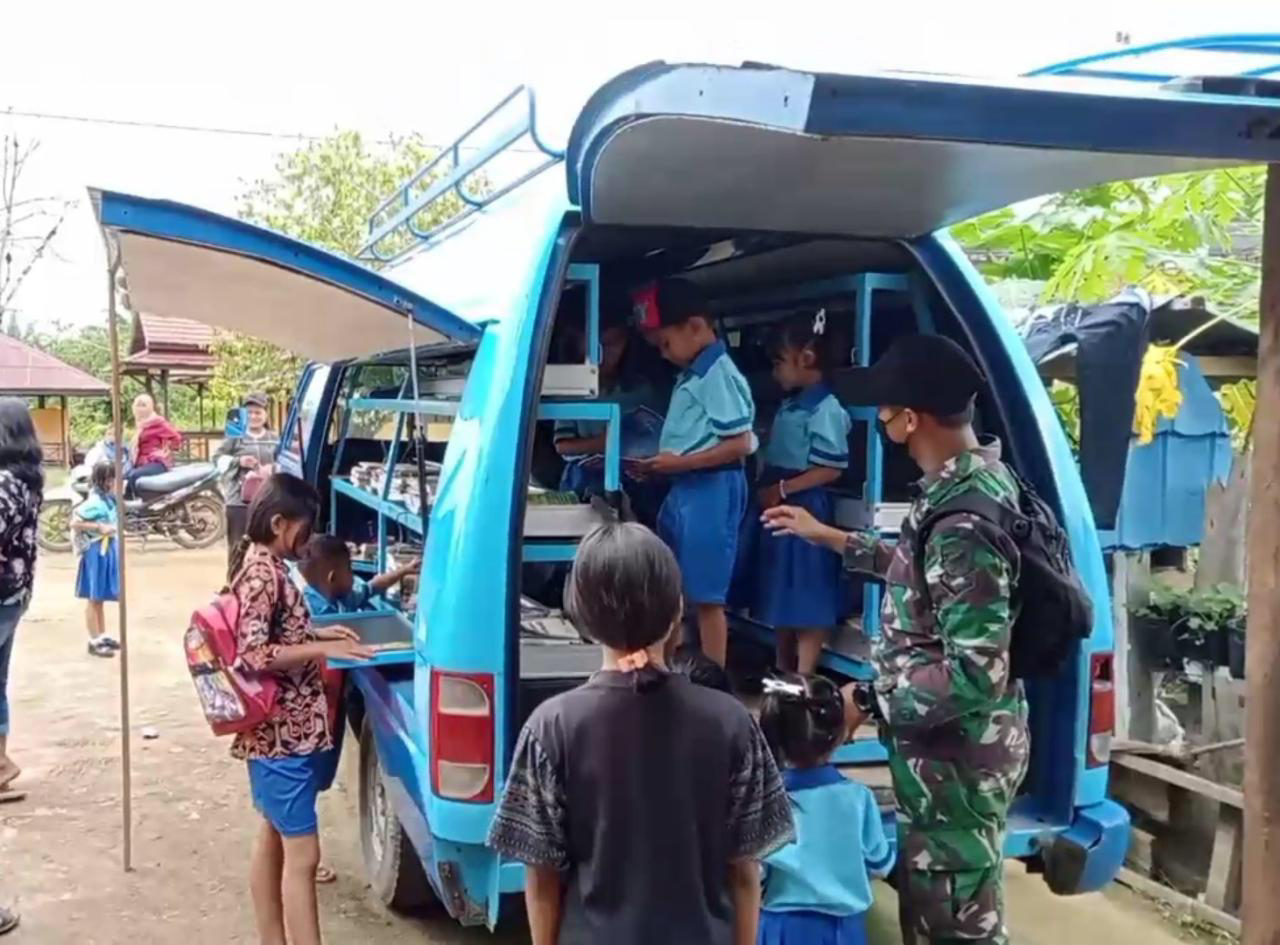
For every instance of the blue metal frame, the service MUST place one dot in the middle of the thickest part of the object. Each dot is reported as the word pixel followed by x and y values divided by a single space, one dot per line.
pixel 589 273
pixel 453 181
pixel 1261 45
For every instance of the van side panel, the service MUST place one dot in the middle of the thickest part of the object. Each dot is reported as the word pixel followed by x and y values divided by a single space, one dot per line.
pixel 470 577
pixel 1041 450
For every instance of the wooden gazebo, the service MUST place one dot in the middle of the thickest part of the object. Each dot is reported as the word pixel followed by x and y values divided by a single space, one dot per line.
pixel 37 375
pixel 170 349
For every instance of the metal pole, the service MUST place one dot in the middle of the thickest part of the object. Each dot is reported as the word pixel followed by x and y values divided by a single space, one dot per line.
pixel 117 421
pixel 1261 912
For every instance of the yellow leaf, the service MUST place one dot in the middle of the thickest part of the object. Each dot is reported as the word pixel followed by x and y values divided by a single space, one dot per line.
pixel 1158 393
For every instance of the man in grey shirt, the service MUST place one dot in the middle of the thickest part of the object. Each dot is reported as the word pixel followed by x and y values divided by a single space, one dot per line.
pixel 253 452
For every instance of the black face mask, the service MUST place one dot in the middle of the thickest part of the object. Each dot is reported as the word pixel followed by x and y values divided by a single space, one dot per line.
pixel 882 426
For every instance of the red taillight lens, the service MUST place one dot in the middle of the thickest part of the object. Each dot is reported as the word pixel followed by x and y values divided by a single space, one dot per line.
pixel 462 732
pixel 1102 709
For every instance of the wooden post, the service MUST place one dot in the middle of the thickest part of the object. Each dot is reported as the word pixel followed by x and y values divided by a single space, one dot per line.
pixel 1262 722
pixel 117 422
pixel 67 458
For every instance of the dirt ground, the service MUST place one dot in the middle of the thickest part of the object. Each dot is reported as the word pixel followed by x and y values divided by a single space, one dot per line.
pixel 60 850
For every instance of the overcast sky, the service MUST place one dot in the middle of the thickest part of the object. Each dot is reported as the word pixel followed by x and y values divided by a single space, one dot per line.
pixel 385 67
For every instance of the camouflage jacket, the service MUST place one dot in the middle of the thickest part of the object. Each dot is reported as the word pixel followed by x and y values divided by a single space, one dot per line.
pixel 956 721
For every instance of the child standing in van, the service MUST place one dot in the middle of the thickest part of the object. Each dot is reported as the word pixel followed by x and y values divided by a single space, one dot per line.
pixel 797 584
pixel 817 890
pixel 640 802
pixel 94 526
pixel 705 438
pixel 286 753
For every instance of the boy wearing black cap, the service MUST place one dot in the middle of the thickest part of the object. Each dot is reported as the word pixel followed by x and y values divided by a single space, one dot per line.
pixel 706 436
pixel 955 720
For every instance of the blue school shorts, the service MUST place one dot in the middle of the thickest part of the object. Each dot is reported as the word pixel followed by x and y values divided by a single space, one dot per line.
pixel 284 791
pixel 811 928
pixel 700 520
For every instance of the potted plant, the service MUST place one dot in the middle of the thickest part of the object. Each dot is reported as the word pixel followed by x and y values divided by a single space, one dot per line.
pixel 1202 635
pixel 1152 626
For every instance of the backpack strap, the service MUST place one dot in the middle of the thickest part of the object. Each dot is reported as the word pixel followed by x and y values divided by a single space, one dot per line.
pixel 980 506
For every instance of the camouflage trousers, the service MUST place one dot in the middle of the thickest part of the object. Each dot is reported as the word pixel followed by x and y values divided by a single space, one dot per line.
pixel 954 907
pixel 953 797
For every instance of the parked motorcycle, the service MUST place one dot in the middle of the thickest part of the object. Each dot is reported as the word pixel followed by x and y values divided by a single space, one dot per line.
pixel 184 504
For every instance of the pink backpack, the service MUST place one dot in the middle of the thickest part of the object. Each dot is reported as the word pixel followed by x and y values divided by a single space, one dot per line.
pixel 233 698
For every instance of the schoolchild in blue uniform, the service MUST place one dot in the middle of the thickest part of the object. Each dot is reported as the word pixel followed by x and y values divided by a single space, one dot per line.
pixel 330 586
pixel 94 530
pixel 582 442
pixel 706 436
pixel 817 890
pixel 796 583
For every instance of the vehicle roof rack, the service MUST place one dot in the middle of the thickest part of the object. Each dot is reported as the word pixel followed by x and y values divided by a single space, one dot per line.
pixel 457 172
pixel 1246 55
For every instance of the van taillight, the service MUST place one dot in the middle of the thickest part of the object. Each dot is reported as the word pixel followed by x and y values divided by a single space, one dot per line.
pixel 1102 709
pixel 462 730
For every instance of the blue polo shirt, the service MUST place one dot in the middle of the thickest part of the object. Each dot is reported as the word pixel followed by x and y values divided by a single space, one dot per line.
pixel 360 597
pixel 840 844
pixel 711 402
pixel 810 428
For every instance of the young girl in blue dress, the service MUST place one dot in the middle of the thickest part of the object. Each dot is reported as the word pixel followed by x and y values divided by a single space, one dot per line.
pixel 94 524
pixel 797 585
pixel 817 889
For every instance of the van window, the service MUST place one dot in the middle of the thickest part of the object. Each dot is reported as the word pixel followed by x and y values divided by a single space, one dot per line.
pixel 302 419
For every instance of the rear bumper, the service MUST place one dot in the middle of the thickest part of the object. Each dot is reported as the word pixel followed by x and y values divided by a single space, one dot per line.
pixel 1087 855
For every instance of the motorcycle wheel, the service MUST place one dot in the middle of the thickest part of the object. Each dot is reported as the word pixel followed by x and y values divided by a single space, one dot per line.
pixel 203 523
pixel 53 528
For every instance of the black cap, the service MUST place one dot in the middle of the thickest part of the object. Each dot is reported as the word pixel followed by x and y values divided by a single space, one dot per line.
pixel 669 302
pixel 255 398
pixel 928 373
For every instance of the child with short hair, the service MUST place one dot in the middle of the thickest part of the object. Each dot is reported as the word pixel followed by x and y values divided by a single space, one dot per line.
pixel 332 587
pixel 797 584
pixel 639 802
pixel 94 531
pixel 706 436
pixel 817 890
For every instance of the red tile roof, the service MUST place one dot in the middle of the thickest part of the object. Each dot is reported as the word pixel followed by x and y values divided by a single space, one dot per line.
pixel 156 333
pixel 28 371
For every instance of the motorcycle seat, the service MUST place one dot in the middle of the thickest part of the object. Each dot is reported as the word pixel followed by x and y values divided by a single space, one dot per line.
pixel 177 478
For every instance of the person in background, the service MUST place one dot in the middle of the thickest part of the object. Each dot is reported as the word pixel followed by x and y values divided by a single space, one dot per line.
pixel 21 493
pixel 94 527
pixel 706 436
pixel 577 441
pixel 797 584
pixel 817 890
pixel 955 720
pixel 285 755
pixel 252 455
pixel 640 803
pixel 104 451
pixel 154 441
pixel 330 586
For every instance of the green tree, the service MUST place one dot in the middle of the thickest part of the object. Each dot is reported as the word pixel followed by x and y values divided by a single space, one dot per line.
pixel 1184 233
pixel 322 193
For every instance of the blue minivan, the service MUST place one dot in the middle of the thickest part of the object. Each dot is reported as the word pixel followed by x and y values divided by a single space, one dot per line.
pixel 438 373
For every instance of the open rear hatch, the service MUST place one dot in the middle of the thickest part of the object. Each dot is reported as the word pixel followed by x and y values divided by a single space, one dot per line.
pixel 890 156
pixel 184 262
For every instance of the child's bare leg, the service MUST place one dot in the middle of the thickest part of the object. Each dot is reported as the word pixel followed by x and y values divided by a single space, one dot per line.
pixel 713 630
pixel 94 620
pixel 809 649
pixel 301 913
pixel 786 649
pixel 266 870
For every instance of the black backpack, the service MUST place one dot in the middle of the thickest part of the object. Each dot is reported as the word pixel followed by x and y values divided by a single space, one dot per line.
pixel 1055 613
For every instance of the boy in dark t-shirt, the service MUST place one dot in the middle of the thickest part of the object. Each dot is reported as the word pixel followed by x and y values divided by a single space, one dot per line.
pixel 640 802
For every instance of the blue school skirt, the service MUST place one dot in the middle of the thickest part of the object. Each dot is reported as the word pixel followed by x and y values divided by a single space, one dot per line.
pixel 98 576
pixel 795 583
pixel 700 520
pixel 811 928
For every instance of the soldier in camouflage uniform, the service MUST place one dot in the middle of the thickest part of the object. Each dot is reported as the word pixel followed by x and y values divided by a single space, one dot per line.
pixel 955 723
